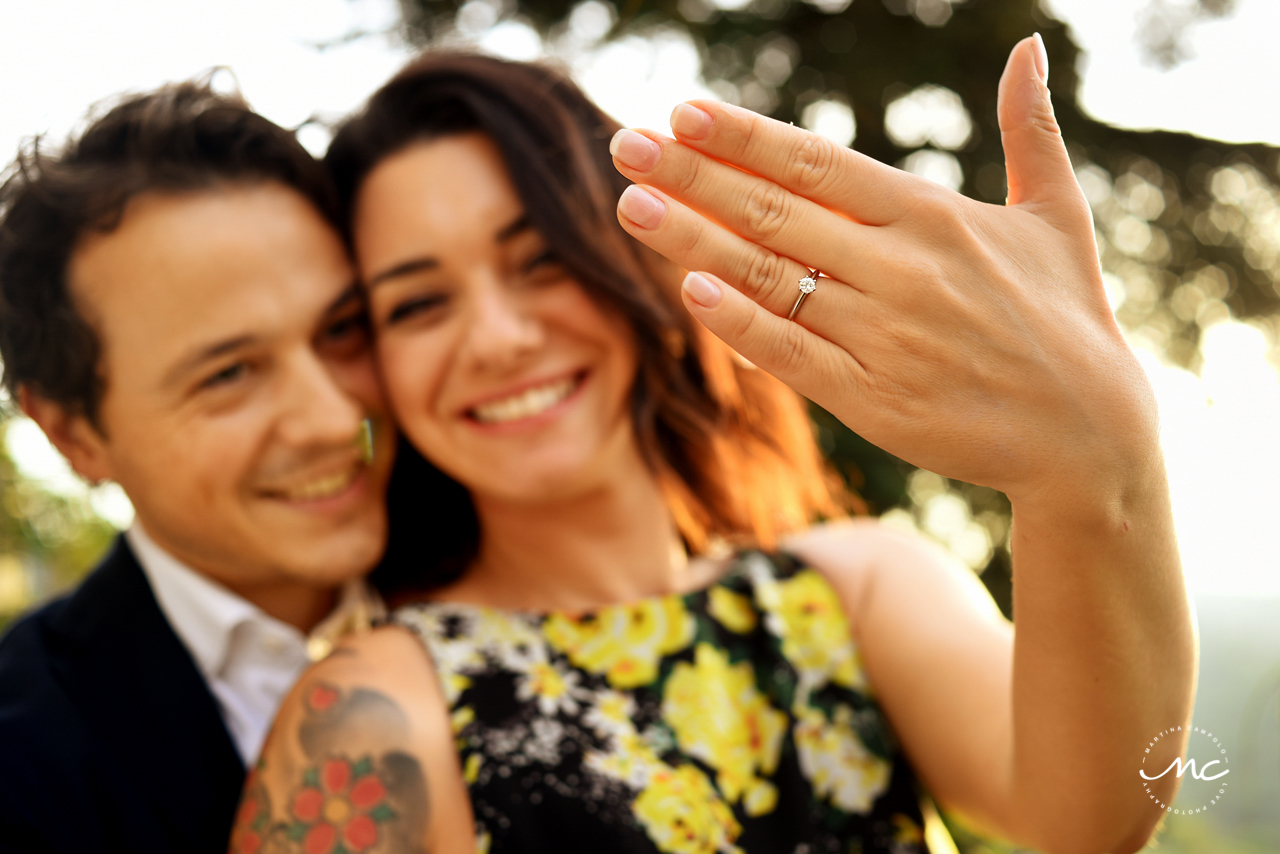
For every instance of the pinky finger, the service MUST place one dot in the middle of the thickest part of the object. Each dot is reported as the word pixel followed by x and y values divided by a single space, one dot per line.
pixel 809 363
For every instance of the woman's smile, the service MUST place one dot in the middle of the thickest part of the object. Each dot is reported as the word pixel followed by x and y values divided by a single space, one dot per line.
pixel 532 404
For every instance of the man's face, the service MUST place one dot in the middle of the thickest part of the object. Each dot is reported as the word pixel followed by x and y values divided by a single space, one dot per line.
pixel 238 372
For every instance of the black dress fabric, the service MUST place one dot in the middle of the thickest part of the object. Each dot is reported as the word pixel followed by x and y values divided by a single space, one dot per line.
pixel 732 720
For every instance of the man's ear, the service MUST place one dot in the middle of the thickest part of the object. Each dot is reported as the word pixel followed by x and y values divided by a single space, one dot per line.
pixel 77 439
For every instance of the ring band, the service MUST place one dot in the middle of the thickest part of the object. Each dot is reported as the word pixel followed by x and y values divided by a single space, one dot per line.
pixel 808 284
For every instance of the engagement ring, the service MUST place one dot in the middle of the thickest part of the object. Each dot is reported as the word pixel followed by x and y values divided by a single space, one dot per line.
pixel 808 284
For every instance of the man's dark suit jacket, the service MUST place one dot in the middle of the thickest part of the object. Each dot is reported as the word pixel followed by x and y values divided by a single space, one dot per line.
pixel 110 740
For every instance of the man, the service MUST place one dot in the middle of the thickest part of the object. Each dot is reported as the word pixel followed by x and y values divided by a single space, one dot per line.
pixel 178 314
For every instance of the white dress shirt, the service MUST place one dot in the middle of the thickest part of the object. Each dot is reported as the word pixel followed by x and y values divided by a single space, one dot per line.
pixel 249 659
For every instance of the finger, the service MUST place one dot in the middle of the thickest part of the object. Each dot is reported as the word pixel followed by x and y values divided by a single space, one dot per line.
pixel 753 207
pixel 807 362
pixel 804 162
pixel 1039 169
pixel 695 243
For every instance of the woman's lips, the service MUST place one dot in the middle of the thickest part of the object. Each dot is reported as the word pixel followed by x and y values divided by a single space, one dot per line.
pixel 527 403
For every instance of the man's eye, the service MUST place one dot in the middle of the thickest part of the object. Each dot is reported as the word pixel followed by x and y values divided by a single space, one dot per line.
pixel 352 324
pixel 227 375
pixel 415 306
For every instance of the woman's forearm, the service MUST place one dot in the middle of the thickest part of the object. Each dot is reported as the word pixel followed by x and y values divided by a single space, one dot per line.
pixel 1104 654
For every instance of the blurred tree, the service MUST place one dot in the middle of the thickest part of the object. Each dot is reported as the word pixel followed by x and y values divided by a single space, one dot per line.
pixel 1188 228
pixel 47 541
pixel 1164 26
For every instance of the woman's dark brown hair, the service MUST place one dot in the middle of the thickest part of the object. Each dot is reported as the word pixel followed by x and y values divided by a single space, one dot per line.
pixel 732 446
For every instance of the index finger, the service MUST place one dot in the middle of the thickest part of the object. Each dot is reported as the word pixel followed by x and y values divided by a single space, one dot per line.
pixel 805 163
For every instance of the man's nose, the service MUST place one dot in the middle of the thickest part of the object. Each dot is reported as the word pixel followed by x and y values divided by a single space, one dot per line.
pixel 315 409
pixel 502 328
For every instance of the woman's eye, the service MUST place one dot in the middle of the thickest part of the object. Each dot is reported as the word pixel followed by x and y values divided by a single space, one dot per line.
pixel 545 268
pixel 410 307
pixel 548 257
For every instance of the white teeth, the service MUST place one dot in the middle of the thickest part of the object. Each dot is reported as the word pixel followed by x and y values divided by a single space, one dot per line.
pixel 526 404
pixel 325 487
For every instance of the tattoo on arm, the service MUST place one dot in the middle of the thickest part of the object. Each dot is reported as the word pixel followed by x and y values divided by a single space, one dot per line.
pixel 341 801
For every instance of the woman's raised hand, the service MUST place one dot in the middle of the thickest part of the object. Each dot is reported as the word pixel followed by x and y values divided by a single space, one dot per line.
pixel 971 339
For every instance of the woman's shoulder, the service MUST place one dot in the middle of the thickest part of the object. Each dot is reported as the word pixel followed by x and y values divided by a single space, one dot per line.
pixel 872 565
pixel 374 686
pixel 358 738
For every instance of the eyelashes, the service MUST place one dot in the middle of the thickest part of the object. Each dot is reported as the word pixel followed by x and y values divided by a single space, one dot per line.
pixel 416 306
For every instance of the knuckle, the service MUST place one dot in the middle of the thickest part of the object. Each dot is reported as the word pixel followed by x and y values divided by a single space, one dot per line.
pixel 686 179
pixel 1042 120
pixel 761 271
pixel 942 210
pixel 812 165
pixel 746 139
pixel 765 211
pixel 690 239
pixel 790 353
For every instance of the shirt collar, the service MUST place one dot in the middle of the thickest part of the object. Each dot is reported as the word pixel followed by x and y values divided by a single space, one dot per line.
pixel 203 613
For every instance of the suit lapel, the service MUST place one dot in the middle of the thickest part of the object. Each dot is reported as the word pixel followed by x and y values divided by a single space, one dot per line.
pixel 149 707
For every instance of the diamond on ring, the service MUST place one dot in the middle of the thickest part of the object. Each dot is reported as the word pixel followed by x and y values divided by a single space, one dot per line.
pixel 808 284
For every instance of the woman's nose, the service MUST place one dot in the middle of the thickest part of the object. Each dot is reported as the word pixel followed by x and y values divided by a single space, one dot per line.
pixel 503 329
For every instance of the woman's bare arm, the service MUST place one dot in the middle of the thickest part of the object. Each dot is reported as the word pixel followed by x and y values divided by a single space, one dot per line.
pixel 360 755
pixel 976 341
pixel 1007 728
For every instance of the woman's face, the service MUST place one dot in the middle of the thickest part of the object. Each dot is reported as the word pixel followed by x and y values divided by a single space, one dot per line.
pixel 498 366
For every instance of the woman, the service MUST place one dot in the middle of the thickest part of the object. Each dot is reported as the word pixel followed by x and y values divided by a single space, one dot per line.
pixel 580 660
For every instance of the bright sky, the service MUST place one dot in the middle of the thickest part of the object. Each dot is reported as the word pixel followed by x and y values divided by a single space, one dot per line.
pixel 1227 91
pixel 58 56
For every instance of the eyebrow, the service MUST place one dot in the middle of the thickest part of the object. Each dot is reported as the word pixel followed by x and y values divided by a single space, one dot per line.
pixel 205 354
pixel 417 265
pixel 209 352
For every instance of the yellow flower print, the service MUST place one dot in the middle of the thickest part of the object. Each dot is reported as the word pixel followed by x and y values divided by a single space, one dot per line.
pixel 629 759
pixel 511 640
pixel 610 714
pixel 554 689
pixel 815 634
pixel 720 717
pixel 624 642
pixel 836 762
pixel 462 718
pixel 733 610
pixel 454 684
pixel 682 814
pixel 906 831
pixel 760 798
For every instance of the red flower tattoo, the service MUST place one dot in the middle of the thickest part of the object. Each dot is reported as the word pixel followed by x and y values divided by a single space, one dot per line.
pixel 339 808
pixel 252 818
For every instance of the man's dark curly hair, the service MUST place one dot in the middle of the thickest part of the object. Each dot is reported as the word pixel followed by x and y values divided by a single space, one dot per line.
pixel 180 138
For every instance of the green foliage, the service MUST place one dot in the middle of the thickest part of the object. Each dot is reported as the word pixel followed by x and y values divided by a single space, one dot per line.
pixel 47 541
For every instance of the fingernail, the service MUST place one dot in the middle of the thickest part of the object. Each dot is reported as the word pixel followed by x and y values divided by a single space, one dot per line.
pixel 702 290
pixel 644 209
pixel 688 121
pixel 635 151
pixel 1042 60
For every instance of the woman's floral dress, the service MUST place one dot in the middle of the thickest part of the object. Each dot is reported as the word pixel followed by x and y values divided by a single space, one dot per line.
pixel 733 719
